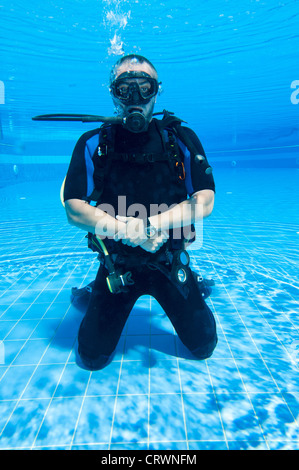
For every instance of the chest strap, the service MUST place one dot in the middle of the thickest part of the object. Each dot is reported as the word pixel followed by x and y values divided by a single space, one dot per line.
pixel 139 157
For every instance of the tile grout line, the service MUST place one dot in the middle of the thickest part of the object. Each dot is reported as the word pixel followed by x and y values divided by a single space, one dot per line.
pixel 261 356
pixel 50 402
pixel 116 395
pixel 40 319
pixel 214 394
pixel 218 407
pixel 63 370
pixel 44 288
pixel 240 375
pixel 149 374
pixel 80 411
pixel 182 402
pixel 232 302
pixel 36 366
pixel 258 281
pixel 89 378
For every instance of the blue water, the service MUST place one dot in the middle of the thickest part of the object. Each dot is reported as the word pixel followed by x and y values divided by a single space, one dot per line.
pixel 227 69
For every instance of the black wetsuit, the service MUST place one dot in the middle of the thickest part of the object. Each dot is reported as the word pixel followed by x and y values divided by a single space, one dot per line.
pixel 150 183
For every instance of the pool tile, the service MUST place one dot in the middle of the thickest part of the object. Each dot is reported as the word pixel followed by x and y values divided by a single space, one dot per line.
pixel 95 421
pixel 168 445
pixel 203 421
pixel 161 325
pixel 105 381
pixel 58 350
pixel 165 377
pixel 244 397
pixel 248 445
pixel 46 328
pixel 134 378
pixel 23 329
pixel 239 418
pixel 31 352
pixel 166 420
pixel 5 328
pixel 34 311
pixel 6 409
pixel 256 376
pixel 137 348
pixel 43 381
pixel 162 347
pixel 225 376
pixel 285 373
pixel 138 325
pixel 275 416
pixel 23 424
pixel 11 350
pixel 131 419
pixel 14 381
pixel 195 377
pixel 54 431
pixel 73 381
pixel 15 312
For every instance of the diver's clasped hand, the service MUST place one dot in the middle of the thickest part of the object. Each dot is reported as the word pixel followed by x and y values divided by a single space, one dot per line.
pixel 133 233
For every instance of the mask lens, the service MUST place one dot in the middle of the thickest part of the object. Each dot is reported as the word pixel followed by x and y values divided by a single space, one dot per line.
pixel 125 89
pixel 147 89
pixel 121 89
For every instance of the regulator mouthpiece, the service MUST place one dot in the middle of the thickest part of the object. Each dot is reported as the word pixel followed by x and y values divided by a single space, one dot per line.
pixel 135 122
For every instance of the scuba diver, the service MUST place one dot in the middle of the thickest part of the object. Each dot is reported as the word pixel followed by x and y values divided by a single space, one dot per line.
pixel 137 185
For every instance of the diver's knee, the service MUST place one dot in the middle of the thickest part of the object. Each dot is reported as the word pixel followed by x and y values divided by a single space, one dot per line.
pixel 206 351
pixel 95 363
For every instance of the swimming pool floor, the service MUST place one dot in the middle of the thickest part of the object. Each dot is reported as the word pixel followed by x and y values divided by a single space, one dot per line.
pixel 154 395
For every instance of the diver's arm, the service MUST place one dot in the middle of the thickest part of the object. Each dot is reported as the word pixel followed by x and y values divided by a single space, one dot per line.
pixel 90 218
pixel 94 220
pixel 190 211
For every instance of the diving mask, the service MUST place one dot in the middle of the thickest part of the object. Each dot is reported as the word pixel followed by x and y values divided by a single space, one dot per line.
pixel 133 88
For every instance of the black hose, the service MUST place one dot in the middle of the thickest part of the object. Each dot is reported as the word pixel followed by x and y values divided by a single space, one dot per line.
pixel 78 117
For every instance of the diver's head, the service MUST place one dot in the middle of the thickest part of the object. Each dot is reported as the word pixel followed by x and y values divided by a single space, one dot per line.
pixel 134 87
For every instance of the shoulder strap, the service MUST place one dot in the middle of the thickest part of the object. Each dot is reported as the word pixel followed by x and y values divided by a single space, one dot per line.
pixel 181 132
pixel 169 120
pixel 175 155
pixel 99 158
